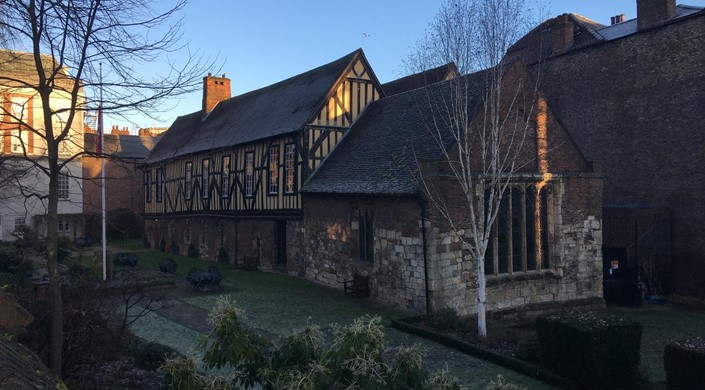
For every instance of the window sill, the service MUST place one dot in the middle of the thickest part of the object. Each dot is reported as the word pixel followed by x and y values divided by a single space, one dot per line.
pixel 520 276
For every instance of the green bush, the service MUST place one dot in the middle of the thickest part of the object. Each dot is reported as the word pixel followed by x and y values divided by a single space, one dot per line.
pixel 444 319
pixel 500 384
pixel 151 355
pixel 192 251
pixel 684 363
pixel 598 351
pixel 173 248
pixel 10 259
pixel 162 245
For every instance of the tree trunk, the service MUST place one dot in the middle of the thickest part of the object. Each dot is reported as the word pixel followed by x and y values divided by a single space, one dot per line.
pixel 481 299
pixel 56 336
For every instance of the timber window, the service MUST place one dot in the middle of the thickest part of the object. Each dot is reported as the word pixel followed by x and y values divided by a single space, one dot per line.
pixel 64 225
pixel 225 178
pixel 519 238
pixel 18 108
pixel 274 170
pixel 19 222
pixel 148 186
pixel 205 178
pixel 290 166
pixel 63 186
pixel 249 173
pixel 365 236
pixel 160 185
pixel 20 141
pixel 188 180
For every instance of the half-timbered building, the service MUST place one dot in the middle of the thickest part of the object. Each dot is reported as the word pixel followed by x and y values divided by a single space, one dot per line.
pixel 228 176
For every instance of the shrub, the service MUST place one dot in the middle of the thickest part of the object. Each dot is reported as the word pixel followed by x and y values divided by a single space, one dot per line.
pixel 684 363
pixel 500 384
pixel 192 251
pixel 173 248
pixel 10 259
pixel 180 373
pixel 444 319
pixel 146 244
pixel 162 245
pixel 151 355
pixel 598 351
pixel 223 256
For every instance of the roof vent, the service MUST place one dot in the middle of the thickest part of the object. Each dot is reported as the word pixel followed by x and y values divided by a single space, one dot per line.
pixel 617 19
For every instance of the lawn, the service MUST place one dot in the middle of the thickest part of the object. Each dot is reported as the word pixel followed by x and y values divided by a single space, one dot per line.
pixel 661 325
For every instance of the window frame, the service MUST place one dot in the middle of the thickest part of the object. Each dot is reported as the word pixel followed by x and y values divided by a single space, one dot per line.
pixel 273 170
pixel 520 241
pixel 63 186
pixel 249 174
pixel 290 169
pixel 159 182
pixel 188 180
pixel 205 178
pixel 23 223
pixel 225 170
pixel 147 180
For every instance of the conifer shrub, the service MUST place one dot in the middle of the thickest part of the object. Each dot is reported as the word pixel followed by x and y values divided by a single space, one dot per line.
pixel 684 363
pixel 223 256
pixel 598 351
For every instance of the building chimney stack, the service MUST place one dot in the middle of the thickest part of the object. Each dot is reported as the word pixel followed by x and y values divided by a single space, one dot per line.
pixel 617 19
pixel 651 13
pixel 215 89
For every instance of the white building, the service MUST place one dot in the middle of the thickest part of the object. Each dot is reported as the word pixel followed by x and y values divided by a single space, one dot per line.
pixel 24 185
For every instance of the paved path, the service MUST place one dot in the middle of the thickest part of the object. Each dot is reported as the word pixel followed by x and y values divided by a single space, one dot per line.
pixel 182 322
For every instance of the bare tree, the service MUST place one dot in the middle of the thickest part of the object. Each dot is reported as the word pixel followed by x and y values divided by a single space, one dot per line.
pixel 58 51
pixel 480 121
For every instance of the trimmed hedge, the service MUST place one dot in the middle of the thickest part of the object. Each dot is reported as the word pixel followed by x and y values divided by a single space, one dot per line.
pixel 598 351
pixel 684 363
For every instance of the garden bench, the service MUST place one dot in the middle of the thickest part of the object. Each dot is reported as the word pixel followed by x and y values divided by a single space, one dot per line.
pixel 359 286
pixel 204 280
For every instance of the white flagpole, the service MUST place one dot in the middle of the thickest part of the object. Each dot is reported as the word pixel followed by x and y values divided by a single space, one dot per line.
pixel 102 175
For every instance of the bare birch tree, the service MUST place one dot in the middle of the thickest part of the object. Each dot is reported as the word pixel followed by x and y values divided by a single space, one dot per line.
pixel 483 116
pixel 57 48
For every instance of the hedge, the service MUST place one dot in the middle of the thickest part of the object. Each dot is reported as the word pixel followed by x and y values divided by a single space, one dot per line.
pixel 598 351
pixel 684 363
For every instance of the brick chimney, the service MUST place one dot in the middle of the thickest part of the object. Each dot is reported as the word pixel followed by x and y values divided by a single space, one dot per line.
pixel 215 89
pixel 562 32
pixel 651 13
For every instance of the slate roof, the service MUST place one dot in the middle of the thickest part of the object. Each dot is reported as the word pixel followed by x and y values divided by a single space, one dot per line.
pixel 628 27
pixel 420 79
pixel 378 154
pixel 271 111
pixel 122 146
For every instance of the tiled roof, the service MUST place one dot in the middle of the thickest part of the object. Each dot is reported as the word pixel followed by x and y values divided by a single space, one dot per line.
pixel 379 153
pixel 275 110
pixel 122 146
pixel 420 79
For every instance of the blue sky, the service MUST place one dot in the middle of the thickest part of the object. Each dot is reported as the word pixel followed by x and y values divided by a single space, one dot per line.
pixel 258 43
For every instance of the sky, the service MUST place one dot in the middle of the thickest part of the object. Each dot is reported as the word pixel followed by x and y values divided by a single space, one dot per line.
pixel 258 43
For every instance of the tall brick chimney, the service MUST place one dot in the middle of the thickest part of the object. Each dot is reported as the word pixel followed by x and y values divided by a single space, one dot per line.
pixel 651 13
pixel 562 32
pixel 215 89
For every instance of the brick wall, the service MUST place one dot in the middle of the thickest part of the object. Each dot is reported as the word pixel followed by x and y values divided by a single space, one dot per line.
pixel 635 105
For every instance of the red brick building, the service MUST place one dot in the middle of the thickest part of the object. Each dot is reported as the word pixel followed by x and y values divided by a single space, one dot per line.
pixel 124 191
pixel 631 95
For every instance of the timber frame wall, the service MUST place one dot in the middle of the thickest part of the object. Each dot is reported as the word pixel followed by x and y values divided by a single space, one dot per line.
pixel 355 89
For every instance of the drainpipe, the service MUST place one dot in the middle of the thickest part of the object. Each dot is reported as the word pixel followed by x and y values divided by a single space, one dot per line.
pixel 422 206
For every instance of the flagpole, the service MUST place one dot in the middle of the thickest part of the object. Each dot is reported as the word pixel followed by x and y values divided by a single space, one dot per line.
pixel 102 176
